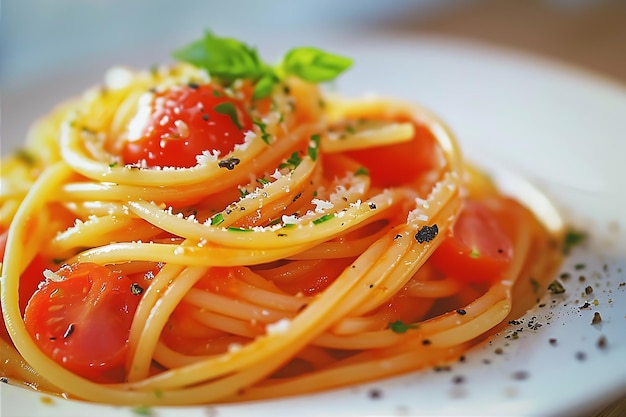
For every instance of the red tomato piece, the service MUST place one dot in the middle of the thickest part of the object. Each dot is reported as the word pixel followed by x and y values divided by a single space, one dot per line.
pixel 29 280
pixel 185 122
pixel 478 248
pixel 82 320
pixel 400 163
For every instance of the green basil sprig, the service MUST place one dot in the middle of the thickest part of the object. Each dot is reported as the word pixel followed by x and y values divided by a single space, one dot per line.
pixel 230 59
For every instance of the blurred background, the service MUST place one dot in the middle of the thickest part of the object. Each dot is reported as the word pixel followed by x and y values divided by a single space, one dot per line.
pixel 60 33
pixel 43 43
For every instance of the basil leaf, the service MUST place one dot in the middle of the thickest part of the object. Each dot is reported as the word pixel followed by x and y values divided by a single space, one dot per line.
pixel 314 65
pixel 264 87
pixel 225 58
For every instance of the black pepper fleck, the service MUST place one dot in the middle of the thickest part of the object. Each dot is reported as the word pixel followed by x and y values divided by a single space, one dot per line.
pixel 588 289
pixel 461 312
pixel 425 342
pixel 229 163
pixel 581 356
pixel 597 318
pixel 556 287
pixel 552 341
pixel 4 380
pixel 458 379
pixel 375 394
pixel 602 342
pixel 520 375
pixel 426 233
pixel 498 351
pixel 135 289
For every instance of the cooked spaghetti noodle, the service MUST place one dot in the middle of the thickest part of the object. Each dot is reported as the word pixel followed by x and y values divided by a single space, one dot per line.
pixel 311 251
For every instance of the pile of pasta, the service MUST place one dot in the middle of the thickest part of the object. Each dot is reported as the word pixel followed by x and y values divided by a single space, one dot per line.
pixel 283 267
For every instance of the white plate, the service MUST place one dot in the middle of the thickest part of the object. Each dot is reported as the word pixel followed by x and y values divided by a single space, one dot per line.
pixel 560 128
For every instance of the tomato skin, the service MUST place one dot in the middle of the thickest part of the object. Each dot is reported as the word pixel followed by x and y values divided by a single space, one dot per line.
pixel 83 321
pixel 184 123
pixel 478 247
pixel 29 280
pixel 401 163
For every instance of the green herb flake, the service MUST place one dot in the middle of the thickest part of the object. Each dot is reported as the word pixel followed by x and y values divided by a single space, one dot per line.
pixel 535 284
pixel 112 164
pixel 571 239
pixel 264 86
pixel 401 327
pixel 25 156
pixel 324 218
pixel 142 411
pixel 217 219
pixel 475 253
pixel 293 161
pixel 264 135
pixel 556 287
pixel 238 229
pixel 362 171
pixel 314 147
pixel 229 109
pixel 243 192
pixel 262 181
pixel 314 65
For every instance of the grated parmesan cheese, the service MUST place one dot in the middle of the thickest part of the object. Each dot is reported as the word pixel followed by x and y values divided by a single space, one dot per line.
pixel 281 326
pixel 141 120
pixel 52 276
pixel 321 205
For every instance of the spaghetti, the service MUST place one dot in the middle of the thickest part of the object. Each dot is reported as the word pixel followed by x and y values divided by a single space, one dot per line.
pixel 222 230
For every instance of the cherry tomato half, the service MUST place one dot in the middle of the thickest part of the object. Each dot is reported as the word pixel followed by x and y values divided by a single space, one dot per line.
pixel 82 320
pixel 185 122
pixel 400 163
pixel 478 248
pixel 29 280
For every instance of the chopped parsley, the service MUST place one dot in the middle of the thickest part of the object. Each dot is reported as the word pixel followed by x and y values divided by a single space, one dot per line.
pixel 293 161
pixel 217 219
pixel 314 147
pixel 401 327
pixel 25 156
pixel 142 411
pixel 243 192
pixel 238 229
pixel 571 239
pixel 229 109
pixel 361 171
pixel 264 135
pixel 324 218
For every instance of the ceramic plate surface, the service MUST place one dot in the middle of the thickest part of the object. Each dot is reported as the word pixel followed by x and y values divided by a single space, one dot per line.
pixel 560 129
